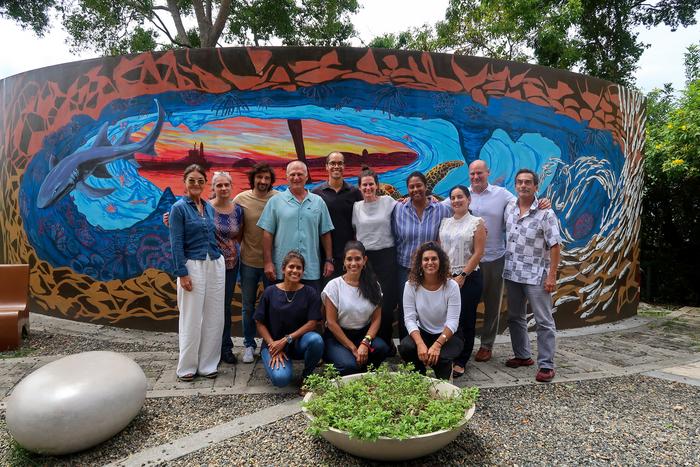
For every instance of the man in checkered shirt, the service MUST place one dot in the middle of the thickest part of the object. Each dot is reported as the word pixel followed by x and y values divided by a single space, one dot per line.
pixel 530 273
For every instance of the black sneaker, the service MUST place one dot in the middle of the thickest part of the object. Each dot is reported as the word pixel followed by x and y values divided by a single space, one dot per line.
pixel 229 357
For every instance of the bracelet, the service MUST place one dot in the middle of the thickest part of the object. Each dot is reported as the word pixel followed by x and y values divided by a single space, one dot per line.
pixel 329 260
pixel 368 337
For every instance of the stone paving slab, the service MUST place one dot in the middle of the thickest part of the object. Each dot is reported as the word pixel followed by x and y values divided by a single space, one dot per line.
pixel 635 345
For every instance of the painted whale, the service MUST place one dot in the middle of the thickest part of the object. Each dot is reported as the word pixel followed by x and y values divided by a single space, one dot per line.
pixel 71 172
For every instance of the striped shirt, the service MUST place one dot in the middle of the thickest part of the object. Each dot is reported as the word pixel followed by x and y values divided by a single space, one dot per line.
pixel 410 232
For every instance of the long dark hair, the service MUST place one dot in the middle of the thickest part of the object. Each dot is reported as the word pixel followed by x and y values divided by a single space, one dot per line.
pixel 369 287
pixel 415 275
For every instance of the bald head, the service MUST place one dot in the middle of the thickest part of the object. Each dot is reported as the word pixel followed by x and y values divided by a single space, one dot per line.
pixel 479 175
pixel 297 165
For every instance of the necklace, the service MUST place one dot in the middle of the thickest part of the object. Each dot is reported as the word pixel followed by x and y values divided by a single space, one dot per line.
pixel 290 300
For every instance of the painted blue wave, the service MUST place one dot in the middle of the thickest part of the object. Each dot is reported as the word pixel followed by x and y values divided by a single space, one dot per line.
pixel 121 235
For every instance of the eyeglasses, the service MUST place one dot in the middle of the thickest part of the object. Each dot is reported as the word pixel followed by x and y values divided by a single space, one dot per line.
pixel 196 181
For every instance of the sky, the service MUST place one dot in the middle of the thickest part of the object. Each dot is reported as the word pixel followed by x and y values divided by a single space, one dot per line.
pixel 661 63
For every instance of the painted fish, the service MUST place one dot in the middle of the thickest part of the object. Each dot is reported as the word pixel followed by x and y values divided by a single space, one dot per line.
pixel 71 172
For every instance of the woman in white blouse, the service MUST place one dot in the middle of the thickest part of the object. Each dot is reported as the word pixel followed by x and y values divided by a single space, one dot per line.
pixel 431 306
pixel 463 237
pixel 353 315
pixel 371 219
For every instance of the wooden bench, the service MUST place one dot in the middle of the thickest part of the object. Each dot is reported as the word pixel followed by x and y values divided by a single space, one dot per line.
pixel 14 313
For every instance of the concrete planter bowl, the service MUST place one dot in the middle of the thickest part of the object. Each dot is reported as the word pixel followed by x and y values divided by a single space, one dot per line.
pixel 392 449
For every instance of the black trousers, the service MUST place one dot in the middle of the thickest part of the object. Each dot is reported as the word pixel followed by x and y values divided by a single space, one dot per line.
pixel 450 350
pixel 471 295
pixel 384 265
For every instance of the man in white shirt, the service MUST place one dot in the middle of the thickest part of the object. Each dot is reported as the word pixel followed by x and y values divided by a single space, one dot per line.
pixel 488 202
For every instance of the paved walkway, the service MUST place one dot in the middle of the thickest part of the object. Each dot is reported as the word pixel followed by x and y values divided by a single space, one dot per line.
pixel 667 347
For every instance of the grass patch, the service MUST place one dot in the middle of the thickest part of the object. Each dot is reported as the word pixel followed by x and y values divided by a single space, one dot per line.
pixel 17 353
pixel 18 456
pixel 654 312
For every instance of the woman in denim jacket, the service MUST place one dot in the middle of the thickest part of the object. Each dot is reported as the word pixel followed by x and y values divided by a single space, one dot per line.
pixel 200 271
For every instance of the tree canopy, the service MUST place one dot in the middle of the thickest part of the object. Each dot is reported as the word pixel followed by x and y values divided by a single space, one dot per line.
pixel 129 26
pixel 670 233
pixel 592 36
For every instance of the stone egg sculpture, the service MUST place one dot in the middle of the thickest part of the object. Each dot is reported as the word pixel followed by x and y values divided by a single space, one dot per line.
pixel 76 402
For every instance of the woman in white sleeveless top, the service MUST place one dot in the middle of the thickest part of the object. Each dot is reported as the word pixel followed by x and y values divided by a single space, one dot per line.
pixel 463 237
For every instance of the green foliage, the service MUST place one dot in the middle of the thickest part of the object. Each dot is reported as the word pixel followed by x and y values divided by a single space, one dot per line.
pixel 118 27
pixel 383 403
pixel 593 36
pixel 670 233
pixel 323 23
pixel 33 14
pixel 421 38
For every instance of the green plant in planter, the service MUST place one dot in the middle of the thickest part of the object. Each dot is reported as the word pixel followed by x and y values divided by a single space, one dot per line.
pixel 383 403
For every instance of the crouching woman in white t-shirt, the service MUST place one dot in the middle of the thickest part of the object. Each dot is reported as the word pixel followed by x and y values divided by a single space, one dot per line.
pixel 353 315
pixel 431 304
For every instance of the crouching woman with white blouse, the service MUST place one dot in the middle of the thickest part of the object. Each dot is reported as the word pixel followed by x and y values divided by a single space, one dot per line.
pixel 353 315
pixel 432 306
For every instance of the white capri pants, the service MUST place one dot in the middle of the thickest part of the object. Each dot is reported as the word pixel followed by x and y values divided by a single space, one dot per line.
pixel 201 320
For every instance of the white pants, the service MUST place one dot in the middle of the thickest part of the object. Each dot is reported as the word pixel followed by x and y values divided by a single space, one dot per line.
pixel 201 322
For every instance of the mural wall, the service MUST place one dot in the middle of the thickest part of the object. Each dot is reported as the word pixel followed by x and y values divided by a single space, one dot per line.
pixel 92 152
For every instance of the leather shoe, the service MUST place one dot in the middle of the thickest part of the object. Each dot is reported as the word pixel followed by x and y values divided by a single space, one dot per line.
pixel 483 355
pixel 518 362
pixel 545 375
pixel 229 357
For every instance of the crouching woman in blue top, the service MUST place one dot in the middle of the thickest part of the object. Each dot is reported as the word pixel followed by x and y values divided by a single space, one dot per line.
pixel 286 316
pixel 353 314
pixel 200 271
pixel 432 305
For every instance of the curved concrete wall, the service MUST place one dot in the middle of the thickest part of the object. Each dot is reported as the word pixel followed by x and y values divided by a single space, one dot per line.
pixel 97 247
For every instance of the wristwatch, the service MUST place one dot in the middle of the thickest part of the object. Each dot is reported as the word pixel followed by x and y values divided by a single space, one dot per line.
pixel 329 260
pixel 289 338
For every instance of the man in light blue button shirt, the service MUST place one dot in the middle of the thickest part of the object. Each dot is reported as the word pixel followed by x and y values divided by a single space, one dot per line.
pixel 297 220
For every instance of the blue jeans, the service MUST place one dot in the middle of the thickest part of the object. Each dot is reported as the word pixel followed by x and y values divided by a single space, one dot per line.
pixel 341 357
pixel 250 277
pixel 230 285
pixel 309 348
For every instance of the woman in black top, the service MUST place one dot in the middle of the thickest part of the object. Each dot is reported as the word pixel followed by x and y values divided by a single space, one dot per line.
pixel 286 316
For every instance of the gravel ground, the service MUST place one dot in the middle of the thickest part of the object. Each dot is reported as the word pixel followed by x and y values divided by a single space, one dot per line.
pixel 620 421
pixel 41 343
pixel 161 420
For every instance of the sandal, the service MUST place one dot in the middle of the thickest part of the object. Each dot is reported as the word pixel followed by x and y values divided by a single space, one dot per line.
pixel 189 377
pixel 457 373
pixel 211 375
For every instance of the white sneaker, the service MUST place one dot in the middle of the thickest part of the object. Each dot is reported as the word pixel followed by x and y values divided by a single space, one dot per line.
pixel 248 355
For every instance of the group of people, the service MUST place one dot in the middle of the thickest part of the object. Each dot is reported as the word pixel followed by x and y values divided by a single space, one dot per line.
pixel 339 261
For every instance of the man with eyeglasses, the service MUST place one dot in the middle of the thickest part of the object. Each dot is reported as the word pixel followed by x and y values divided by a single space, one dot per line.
pixel 261 179
pixel 340 197
pixel 297 220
